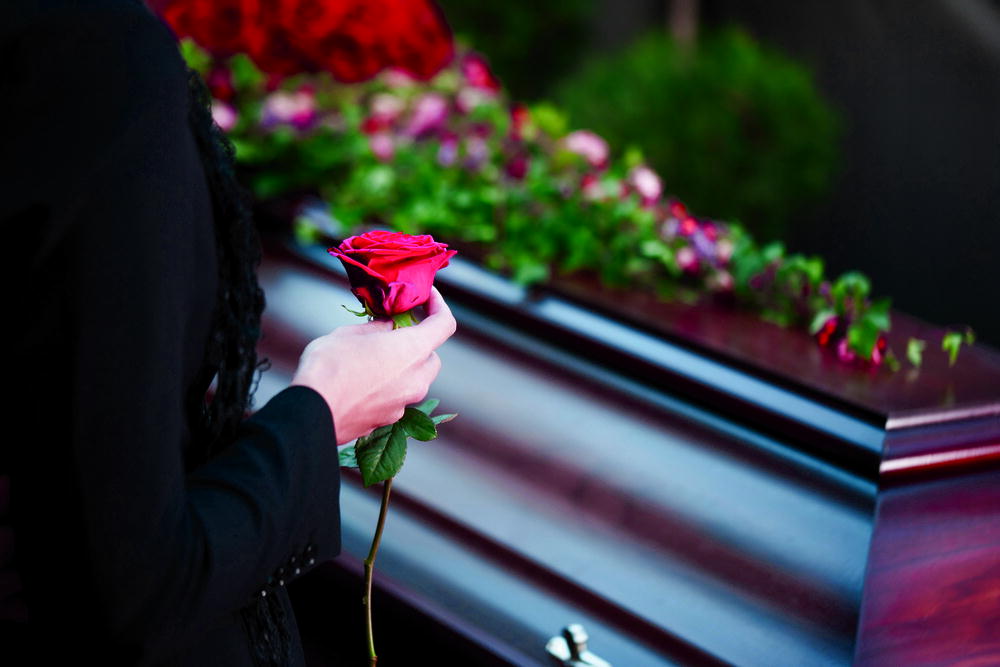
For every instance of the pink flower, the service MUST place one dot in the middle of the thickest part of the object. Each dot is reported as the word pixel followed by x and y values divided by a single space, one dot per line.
pixel 478 74
pixel 297 109
pixel 879 351
pixel 687 259
pixel 724 250
pixel 647 184
pixel 588 145
pixel 386 107
pixel 721 281
pixel 396 77
pixel 429 114
pixel 469 98
pixel 382 146
pixel 224 115
pixel 844 352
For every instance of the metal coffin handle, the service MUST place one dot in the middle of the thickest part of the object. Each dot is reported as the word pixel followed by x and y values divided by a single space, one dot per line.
pixel 570 649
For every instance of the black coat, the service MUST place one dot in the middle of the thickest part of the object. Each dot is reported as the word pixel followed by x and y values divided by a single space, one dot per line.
pixel 111 270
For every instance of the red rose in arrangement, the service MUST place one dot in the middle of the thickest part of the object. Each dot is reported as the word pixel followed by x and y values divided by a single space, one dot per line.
pixel 352 39
pixel 220 26
pixel 391 272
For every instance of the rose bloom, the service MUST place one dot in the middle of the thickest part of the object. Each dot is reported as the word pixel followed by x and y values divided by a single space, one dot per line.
pixel 588 145
pixel 392 272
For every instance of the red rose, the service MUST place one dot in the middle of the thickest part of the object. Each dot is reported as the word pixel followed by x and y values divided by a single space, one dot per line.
pixel 220 26
pixel 392 272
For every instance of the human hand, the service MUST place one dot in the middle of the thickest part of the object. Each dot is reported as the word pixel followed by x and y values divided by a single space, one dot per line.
pixel 368 373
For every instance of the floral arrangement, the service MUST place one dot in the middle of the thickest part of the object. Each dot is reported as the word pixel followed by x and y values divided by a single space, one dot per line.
pixel 511 184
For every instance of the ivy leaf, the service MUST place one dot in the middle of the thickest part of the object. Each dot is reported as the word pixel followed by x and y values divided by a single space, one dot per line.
pixel 878 314
pixel 915 351
pixel 418 425
pixel 861 337
pixel 951 343
pixel 381 454
pixel 441 419
pixel 819 319
pixel 348 458
pixel 891 361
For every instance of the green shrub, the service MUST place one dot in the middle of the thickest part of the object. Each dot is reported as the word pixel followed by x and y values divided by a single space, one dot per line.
pixel 732 127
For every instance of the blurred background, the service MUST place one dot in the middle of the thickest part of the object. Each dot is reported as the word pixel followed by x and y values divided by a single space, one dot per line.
pixel 890 164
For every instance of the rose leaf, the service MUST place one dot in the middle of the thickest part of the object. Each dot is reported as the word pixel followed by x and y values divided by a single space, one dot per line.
pixel 381 454
pixel 348 457
pixel 441 419
pixel 427 407
pixel 418 425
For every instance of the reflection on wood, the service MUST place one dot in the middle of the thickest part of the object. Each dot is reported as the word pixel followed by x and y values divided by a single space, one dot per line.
pixel 933 584
pixel 702 495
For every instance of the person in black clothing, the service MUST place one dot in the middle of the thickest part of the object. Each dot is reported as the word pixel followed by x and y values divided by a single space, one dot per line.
pixel 139 522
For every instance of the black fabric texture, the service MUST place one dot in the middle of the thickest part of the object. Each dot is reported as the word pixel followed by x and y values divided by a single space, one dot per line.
pixel 126 556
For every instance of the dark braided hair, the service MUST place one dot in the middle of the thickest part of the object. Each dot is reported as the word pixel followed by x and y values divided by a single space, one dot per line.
pixel 239 302
pixel 231 354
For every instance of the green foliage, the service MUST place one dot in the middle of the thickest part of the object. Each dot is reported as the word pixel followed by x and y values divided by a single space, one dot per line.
pixel 952 342
pixel 555 214
pixel 733 127
pixel 915 350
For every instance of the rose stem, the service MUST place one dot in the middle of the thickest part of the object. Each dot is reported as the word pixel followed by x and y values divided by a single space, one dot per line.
pixel 370 569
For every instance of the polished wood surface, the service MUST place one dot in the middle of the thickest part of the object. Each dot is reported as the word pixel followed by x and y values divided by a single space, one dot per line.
pixel 705 494
pixel 932 591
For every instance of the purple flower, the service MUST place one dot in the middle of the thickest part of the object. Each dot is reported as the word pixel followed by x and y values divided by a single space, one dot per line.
pixel 668 230
pixel 703 245
pixel 476 151
pixel 448 150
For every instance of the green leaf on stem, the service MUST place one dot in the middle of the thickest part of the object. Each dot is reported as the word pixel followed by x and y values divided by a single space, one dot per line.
pixel 381 453
pixel 891 361
pixel 878 314
pixel 819 319
pixel 427 407
pixel 951 343
pixel 915 351
pixel 441 419
pixel 418 425
pixel 348 458
pixel 358 313
pixel 861 337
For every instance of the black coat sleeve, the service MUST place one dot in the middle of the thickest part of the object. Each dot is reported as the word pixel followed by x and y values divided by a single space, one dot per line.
pixel 120 267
